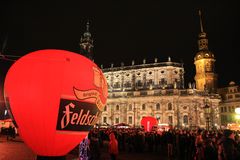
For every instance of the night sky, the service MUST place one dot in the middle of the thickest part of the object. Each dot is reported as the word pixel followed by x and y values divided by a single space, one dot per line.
pixel 124 31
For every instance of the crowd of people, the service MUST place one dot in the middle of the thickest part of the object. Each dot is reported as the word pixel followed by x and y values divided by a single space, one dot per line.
pixel 10 132
pixel 179 144
pixel 175 143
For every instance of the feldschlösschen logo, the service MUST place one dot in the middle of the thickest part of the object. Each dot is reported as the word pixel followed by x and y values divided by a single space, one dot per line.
pixel 79 115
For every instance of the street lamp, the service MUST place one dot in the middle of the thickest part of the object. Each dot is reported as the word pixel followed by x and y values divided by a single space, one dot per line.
pixel 237 110
pixel 237 116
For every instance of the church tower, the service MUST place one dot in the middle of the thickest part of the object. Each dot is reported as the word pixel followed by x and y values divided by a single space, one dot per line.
pixel 86 44
pixel 206 78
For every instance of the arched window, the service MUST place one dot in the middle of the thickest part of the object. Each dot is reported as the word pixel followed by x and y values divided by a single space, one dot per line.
pixel 139 83
pixel 157 106
pixel 130 119
pixel 117 120
pixel 116 85
pixel 143 107
pixel 170 119
pixel 185 119
pixel 117 107
pixel 128 84
pixel 104 119
pixel 130 107
pixel 169 106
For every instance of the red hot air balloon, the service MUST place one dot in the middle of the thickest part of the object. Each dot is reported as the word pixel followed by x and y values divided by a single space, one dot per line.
pixel 148 123
pixel 55 97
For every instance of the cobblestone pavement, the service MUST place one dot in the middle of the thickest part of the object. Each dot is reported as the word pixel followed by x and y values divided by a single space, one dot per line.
pixel 17 150
pixel 14 150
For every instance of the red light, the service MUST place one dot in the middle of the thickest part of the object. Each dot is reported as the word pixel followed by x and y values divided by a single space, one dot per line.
pixel 148 123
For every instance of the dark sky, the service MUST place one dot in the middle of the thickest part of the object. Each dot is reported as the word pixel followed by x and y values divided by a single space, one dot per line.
pixel 125 30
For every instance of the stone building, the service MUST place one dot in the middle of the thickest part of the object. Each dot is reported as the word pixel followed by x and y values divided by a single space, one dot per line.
pixel 230 100
pixel 157 89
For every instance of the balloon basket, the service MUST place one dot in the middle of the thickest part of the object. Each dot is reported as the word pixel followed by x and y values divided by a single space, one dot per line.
pixel 51 157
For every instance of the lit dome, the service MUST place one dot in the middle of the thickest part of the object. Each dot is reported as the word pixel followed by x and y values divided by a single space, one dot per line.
pixel 203 54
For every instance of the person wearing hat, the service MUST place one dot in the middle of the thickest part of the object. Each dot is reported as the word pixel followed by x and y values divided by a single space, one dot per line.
pixel 230 151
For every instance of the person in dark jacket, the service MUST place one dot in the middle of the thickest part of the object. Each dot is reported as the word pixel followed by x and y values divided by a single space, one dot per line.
pixel 229 144
pixel 210 150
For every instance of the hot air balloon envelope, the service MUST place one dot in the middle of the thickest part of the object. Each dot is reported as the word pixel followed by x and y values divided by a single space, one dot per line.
pixel 55 97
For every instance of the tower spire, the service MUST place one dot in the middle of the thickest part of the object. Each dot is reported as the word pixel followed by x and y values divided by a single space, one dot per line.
pixel 86 43
pixel 87 26
pixel 204 60
pixel 202 41
pixel 200 18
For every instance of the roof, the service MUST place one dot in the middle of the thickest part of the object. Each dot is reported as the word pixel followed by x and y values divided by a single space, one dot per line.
pixel 150 65
pixel 204 54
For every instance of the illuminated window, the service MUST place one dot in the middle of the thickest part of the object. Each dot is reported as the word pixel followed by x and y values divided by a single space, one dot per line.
pixel 130 107
pixel 185 119
pixel 117 120
pixel 130 120
pixel 208 67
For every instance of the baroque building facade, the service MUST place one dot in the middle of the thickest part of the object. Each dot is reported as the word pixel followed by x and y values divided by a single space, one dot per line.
pixel 157 89
pixel 230 100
